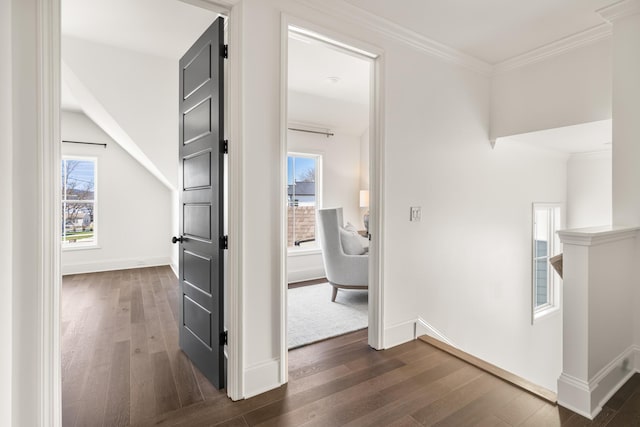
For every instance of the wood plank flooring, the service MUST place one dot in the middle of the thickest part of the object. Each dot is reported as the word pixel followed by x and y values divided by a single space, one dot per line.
pixel 121 366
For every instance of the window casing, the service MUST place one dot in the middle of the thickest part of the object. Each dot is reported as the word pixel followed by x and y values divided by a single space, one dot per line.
pixel 303 200
pixel 546 244
pixel 79 202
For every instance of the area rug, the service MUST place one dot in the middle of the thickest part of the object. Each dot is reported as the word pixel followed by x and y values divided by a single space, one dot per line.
pixel 313 317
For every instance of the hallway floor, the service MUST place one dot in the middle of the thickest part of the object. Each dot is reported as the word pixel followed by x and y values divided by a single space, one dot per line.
pixel 121 366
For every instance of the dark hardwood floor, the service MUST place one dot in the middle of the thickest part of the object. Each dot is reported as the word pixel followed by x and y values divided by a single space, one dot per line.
pixel 121 366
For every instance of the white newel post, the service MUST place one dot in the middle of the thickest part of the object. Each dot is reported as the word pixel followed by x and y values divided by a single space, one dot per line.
pixel 598 353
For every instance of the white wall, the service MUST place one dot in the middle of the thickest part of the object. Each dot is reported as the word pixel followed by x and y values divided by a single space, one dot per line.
pixel 563 90
pixel 6 183
pixel 133 211
pixel 340 188
pixel 465 268
pixel 139 91
pixel 589 186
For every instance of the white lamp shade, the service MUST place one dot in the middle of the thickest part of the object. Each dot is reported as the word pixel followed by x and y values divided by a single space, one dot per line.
pixel 364 198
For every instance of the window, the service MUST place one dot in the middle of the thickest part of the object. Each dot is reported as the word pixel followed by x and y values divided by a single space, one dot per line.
pixel 78 202
pixel 546 244
pixel 303 196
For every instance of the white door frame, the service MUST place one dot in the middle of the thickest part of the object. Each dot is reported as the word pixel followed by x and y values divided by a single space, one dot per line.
pixel 376 173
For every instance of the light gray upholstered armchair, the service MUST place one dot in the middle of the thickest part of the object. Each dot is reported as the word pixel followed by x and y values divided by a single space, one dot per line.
pixel 343 271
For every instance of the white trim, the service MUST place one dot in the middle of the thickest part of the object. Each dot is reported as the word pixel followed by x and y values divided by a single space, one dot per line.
pixel 295 276
pixel 365 19
pixel 235 277
pixel 48 401
pixel 425 328
pixel 261 377
pixel 574 394
pixel 558 47
pixel 400 333
pixel 293 252
pixel 376 204
pixel 594 236
pixel 587 398
pixel 283 211
pixel 114 264
pixel 611 378
pixel 374 54
pixel 619 10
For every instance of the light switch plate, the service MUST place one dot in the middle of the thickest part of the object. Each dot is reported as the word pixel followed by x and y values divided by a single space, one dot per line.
pixel 415 213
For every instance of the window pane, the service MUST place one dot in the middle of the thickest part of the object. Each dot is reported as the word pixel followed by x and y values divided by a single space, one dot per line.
pixel 78 222
pixel 78 181
pixel 78 201
pixel 302 200
pixel 541 284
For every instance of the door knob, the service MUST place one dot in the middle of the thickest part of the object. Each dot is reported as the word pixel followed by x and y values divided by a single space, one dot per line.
pixel 175 239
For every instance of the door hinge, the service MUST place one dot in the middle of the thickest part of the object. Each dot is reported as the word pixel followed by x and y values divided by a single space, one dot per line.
pixel 225 51
pixel 224 242
pixel 224 146
pixel 223 338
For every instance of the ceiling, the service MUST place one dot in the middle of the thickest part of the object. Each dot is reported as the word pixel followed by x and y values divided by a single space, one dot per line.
pixel 327 86
pixel 490 30
pixel 164 28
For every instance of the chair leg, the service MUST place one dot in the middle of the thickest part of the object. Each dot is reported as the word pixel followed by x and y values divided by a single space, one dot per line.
pixel 334 294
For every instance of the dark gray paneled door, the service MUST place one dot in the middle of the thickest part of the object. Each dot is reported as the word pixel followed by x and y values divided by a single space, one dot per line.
pixel 201 204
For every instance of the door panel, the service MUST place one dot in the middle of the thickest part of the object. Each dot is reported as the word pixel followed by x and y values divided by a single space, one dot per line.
pixel 197 271
pixel 197 121
pixel 198 72
pixel 197 221
pixel 201 204
pixel 196 171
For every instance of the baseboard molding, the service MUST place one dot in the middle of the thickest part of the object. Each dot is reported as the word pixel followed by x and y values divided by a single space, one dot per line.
pixel 305 275
pixel 520 382
pixel 174 268
pixel 262 377
pixel 399 333
pixel 588 398
pixel 424 328
pixel 116 264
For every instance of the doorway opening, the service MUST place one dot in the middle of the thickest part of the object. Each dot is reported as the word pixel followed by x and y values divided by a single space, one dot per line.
pixel 120 306
pixel 329 119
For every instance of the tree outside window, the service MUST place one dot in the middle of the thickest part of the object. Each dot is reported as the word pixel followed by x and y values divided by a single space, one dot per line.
pixel 78 201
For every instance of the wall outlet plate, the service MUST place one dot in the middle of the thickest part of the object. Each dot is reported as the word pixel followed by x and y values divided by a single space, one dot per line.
pixel 415 213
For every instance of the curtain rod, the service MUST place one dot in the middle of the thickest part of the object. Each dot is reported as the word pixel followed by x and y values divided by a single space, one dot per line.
pixel 312 131
pixel 85 143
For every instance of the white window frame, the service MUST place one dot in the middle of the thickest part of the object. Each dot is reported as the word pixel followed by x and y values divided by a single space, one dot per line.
pixel 318 158
pixel 555 220
pixel 66 245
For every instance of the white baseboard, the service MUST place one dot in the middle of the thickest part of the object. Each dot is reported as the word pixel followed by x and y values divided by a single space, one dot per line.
pixel 115 264
pixel 588 398
pixel 424 328
pixel 262 377
pixel 399 333
pixel 174 268
pixel 409 330
pixel 304 275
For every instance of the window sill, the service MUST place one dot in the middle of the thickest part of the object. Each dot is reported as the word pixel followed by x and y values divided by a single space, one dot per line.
pixel 303 252
pixel 79 248
pixel 545 313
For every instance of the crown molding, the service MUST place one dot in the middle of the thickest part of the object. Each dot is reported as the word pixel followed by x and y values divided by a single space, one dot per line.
pixel 363 18
pixel 558 47
pixel 593 236
pixel 619 10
